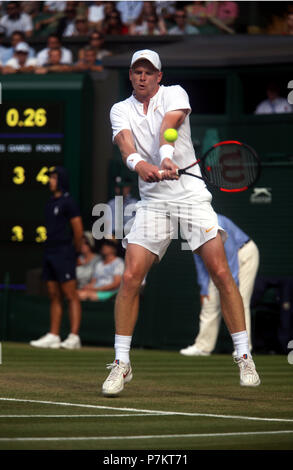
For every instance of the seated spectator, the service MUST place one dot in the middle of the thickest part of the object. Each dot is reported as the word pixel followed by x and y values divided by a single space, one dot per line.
pixel 86 261
pixel 66 24
pixel 54 7
pixel 53 42
pixel 227 12
pixel 165 9
pixel 16 38
pixel 141 25
pixel 107 274
pixel 96 14
pixel 197 13
pixel 3 49
pixel 96 42
pixel 213 16
pixel 89 63
pixel 31 8
pixel 112 24
pixel 274 104
pixel 123 187
pixel 21 61
pixel 54 63
pixel 289 23
pixel 129 11
pixel 182 27
pixel 16 20
pixel 150 27
pixel 81 26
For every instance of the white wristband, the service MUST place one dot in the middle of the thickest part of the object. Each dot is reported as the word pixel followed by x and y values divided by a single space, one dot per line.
pixel 132 160
pixel 166 151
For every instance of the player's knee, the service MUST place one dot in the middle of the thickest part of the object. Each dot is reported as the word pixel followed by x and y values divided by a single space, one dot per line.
pixel 222 278
pixel 131 280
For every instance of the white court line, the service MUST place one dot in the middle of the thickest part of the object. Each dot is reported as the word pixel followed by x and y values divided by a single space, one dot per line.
pixel 154 412
pixel 121 415
pixel 155 436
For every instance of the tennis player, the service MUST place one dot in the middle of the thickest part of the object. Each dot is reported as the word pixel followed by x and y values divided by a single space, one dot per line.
pixel 138 125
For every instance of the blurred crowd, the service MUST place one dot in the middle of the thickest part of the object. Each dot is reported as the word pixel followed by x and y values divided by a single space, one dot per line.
pixel 22 24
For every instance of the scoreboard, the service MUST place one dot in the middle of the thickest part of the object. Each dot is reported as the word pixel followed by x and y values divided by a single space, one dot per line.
pixel 44 122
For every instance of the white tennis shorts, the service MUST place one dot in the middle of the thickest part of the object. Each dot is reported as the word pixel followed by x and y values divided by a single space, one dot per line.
pixel 157 224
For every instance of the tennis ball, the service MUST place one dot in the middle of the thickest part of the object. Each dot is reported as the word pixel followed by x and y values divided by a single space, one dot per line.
pixel 170 135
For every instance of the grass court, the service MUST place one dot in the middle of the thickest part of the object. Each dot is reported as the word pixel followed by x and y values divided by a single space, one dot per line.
pixel 51 399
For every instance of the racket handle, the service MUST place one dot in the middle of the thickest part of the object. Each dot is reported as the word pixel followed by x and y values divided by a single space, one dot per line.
pixel 178 172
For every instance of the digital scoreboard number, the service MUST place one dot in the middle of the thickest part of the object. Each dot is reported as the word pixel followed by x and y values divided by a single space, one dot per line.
pixel 31 142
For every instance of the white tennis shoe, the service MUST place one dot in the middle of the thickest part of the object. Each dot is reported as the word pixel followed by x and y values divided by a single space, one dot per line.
pixel 120 374
pixel 248 375
pixel 47 341
pixel 71 342
pixel 193 351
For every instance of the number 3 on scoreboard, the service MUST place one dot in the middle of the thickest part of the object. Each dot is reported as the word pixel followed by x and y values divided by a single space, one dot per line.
pixel 19 173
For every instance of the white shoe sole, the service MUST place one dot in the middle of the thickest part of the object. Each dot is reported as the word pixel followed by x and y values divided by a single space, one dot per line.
pixel 127 379
pixel 250 385
pixel 52 346
pixel 78 346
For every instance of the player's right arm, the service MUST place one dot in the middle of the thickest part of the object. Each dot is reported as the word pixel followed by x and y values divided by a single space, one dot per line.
pixel 147 172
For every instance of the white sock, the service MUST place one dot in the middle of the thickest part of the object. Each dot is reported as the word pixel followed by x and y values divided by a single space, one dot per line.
pixel 241 344
pixel 122 348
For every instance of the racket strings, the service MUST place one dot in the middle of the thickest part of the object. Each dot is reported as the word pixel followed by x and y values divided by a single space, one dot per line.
pixel 231 166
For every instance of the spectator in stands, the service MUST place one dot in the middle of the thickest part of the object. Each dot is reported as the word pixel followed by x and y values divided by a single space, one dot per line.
pixel 3 49
pixel 86 261
pixel 62 247
pixel 16 38
pixel 112 24
pixel 143 24
pixel 81 26
pixel 123 187
pixel 165 9
pixel 53 42
pixel 54 7
pixel 129 11
pixel 213 16
pixel 66 24
pixel 274 104
pixel 107 274
pixel 182 27
pixel 31 8
pixel 150 27
pixel 96 14
pixel 89 63
pixel 197 13
pixel 96 42
pixel 54 63
pixel 16 20
pixel 289 23
pixel 20 63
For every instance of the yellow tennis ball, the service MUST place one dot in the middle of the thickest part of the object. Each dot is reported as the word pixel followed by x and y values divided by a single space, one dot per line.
pixel 170 135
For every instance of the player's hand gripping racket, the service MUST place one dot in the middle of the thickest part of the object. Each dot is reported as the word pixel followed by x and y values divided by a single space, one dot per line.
pixel 230 165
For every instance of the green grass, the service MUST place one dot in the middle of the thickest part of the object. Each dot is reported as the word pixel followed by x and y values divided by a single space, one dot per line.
pixel 163 381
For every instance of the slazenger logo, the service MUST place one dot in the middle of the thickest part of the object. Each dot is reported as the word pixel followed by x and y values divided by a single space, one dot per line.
pixel 261 196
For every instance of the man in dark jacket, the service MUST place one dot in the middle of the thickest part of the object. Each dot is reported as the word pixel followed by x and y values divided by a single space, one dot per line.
pixel 63 244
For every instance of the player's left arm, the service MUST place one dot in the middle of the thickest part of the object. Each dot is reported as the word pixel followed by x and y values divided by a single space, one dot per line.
pixel 171 120
pixel 77 229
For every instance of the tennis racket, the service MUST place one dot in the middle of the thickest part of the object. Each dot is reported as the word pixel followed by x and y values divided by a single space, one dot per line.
pixel 231 166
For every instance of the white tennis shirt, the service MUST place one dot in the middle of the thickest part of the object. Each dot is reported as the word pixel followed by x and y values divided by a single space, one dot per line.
pixel 145 128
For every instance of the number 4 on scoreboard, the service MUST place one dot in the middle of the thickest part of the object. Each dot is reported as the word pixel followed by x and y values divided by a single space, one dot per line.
pixel 42 176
